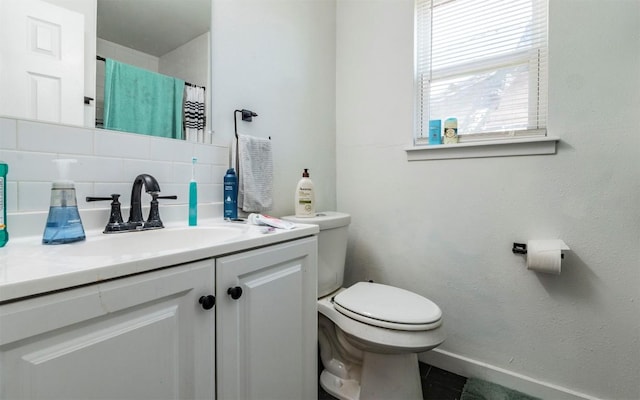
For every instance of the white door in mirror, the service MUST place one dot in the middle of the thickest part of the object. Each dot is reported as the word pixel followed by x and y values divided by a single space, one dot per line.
pixel 41 62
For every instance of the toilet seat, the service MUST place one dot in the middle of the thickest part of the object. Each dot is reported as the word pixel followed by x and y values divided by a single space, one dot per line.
pixel 388 307
pixel 378 339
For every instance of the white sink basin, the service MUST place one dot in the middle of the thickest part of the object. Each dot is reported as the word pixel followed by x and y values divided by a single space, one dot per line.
pixel 156 241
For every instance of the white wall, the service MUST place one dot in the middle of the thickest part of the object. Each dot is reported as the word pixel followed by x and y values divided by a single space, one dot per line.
pixel 189 62
pixel 277 58
pixel 445 228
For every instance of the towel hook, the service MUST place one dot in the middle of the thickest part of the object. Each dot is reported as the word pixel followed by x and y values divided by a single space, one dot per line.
pixel 247 115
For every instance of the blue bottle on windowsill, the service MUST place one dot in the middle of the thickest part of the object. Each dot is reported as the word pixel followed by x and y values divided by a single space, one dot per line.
pixel 435 129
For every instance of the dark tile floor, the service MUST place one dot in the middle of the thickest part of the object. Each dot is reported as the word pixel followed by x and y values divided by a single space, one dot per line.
pixel 437 384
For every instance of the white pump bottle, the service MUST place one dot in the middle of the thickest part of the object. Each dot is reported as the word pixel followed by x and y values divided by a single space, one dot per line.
pixel 305 197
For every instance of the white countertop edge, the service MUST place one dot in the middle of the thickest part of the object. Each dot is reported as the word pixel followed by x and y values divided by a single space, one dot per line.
pixel 45 279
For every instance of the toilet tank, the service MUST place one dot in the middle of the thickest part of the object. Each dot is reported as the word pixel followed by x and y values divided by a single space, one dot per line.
pixel 332 247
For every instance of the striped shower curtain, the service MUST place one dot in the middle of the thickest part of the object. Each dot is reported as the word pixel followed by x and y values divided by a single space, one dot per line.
pixel 194 118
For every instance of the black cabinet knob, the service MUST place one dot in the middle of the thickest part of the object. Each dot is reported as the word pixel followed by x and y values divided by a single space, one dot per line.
pixel 207 302
pixel 235 292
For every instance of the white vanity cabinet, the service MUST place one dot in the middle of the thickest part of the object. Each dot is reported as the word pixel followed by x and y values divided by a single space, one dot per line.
pixel 157 335
pixel 267 335
pixel 139 337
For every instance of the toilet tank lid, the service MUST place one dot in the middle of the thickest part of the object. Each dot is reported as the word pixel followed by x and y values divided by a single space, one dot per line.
pixel 324 219
pixel 388 303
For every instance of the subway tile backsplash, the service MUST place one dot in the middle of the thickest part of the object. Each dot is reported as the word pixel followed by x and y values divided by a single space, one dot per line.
pixel 7 134
pixel 108 161
pixel 46 138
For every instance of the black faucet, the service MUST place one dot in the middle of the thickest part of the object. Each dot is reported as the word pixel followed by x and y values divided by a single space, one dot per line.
pixel 115 223
pixel 150 186
pixel 135 222
pixel 154 221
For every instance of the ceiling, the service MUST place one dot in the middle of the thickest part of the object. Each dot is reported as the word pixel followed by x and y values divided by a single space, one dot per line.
pixel 153 26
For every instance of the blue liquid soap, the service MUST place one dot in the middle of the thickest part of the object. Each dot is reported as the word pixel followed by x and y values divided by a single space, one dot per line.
pixel 63 223
pixel 63 226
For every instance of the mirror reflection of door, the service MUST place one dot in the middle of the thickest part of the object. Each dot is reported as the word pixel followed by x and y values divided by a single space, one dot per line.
pixel 41 62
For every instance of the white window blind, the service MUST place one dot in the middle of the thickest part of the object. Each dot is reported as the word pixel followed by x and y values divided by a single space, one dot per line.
pixel 483 62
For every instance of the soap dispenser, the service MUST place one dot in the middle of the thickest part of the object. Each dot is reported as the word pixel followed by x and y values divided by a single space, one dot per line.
pixel 63 223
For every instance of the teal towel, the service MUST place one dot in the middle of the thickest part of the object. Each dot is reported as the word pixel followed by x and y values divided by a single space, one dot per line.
pixel 141 101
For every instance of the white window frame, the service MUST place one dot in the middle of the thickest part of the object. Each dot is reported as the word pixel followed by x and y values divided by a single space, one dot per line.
pixel 533 140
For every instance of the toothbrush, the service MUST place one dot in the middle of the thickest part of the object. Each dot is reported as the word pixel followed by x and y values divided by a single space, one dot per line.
pixel 193 195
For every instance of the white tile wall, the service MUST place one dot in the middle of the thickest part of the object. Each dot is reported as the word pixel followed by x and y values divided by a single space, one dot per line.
pixel 8 137
pixel 108 162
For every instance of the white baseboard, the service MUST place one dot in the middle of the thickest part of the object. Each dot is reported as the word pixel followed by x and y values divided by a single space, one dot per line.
pixel 473 368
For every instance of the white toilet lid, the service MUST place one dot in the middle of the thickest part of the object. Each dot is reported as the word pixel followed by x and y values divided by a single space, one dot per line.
pixel 388 307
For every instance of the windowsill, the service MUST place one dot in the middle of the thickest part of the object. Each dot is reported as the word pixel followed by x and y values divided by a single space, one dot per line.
pixel 490 148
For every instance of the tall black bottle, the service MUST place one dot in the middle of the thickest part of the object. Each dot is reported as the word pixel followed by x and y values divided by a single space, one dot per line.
pixel 230 194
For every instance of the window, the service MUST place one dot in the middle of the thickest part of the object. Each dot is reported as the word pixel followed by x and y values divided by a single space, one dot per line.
pixel 483 63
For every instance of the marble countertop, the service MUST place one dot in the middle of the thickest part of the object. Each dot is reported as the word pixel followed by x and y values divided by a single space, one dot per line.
pixel 28 268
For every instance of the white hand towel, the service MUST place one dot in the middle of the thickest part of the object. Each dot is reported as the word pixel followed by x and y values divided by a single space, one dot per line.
pixel 255 185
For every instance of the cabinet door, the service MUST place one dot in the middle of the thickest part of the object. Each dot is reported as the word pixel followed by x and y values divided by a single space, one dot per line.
pixel 140 337
pixel 266 341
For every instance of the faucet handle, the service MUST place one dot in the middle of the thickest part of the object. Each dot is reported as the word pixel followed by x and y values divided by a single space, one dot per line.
pixel 115 223
pixel 113 197
pixel 154 220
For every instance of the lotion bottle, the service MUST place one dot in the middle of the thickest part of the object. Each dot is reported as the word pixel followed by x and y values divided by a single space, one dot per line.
pixel 305 201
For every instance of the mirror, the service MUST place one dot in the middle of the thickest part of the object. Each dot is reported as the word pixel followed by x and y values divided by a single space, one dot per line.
pixel 165 36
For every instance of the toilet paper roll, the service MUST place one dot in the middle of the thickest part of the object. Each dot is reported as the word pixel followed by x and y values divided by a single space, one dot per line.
pixel 545 255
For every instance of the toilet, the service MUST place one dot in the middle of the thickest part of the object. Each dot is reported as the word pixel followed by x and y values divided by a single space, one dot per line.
pixel 369 334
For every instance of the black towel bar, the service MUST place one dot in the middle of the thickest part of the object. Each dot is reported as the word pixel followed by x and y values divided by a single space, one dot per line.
pixel 100 58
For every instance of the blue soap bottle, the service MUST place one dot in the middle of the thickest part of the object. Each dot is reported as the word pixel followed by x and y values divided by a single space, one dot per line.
pixel 63 223
pixel 230 195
